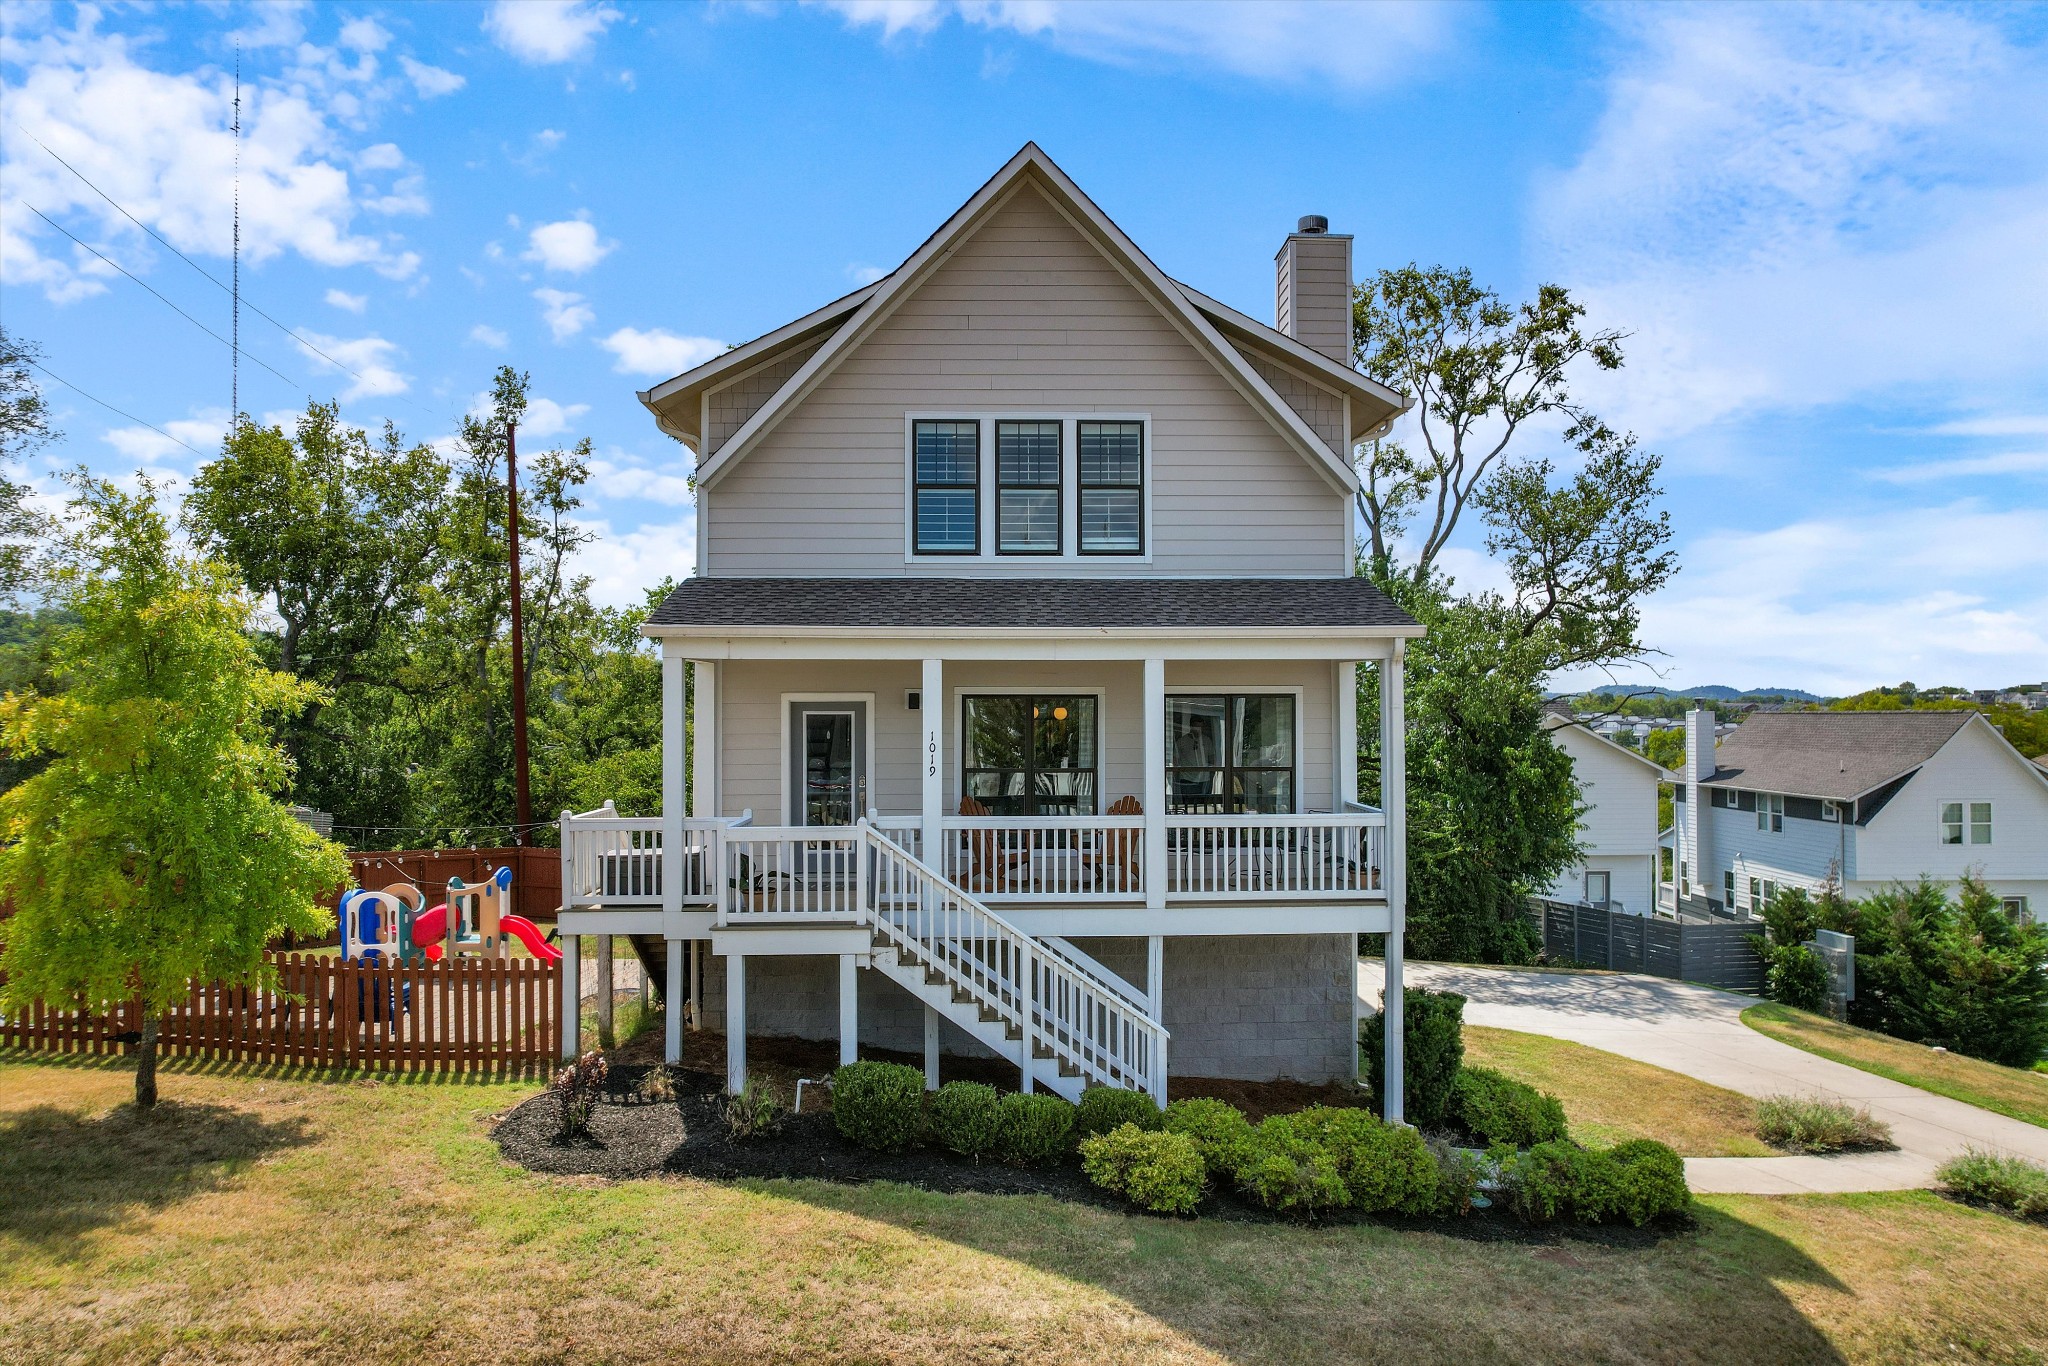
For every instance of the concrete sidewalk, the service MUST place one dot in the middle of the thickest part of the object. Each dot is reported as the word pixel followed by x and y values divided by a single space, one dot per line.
pixel 1698 1032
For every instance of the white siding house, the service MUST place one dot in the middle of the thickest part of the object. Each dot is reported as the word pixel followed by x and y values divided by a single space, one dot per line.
pixel 1023 649
pixel 1618 828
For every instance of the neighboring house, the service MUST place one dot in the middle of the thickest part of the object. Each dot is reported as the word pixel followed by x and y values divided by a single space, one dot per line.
pixel 1618 787
pixel 1024 650
pixel 1866 799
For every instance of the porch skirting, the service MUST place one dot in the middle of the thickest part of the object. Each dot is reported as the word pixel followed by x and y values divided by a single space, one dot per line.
pixel 1244 1007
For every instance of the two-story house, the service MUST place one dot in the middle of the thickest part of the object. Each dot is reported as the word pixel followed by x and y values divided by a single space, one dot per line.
pixel 1617 867
pixel 1023 651
pixel 1863 799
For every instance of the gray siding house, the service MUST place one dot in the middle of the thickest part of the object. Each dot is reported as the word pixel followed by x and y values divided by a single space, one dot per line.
pixel 1022 655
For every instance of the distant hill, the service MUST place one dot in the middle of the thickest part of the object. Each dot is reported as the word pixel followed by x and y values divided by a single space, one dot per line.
pixel 1715 692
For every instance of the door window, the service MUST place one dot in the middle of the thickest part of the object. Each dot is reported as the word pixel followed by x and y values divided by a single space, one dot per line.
pixel 828 767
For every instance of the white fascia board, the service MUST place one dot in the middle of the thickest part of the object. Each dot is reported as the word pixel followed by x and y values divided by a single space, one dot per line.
pixel 1301 355
pixel 790 643
pixel 2039 773
pixel 759 348
pixel 1664 775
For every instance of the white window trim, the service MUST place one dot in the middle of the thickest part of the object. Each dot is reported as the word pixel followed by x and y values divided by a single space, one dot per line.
pixel 1296 690
pixel 956 718
pixel 866 699
pixel 1770 807
pixel 1070 557
pixel 1966 825
pixel 1831 811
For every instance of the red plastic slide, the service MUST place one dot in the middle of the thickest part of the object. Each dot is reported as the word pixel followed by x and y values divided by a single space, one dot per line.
pixel 432 927
pixel 529 935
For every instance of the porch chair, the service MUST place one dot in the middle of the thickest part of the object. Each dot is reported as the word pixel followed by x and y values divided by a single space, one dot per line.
pixel 989 866
pixel 1120 862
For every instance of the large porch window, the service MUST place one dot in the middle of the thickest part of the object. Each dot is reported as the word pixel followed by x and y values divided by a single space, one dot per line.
pixel 1031 755
pixel 1230 754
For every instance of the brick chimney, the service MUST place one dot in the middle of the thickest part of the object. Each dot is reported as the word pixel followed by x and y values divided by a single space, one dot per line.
pixel 1312 288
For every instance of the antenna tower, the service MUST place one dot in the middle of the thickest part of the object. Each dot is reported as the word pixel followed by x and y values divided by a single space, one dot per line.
pixel 235 323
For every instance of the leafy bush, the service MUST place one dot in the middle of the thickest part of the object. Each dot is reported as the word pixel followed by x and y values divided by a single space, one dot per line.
pixel 1153 1170
pixel 1385 1168
pixel 751 1111
pixel 1222 1134
pixel 1497 1109
pixel 1033 1130
pixel 879 1105
pixel 1286 1171
pixel 966 1117
pixel 1649 1182
pixel 1636 1181
pixel 1544 1183
pixel 578 1085
pixel 1106 1107
pixel 2011 1183
pixel 1795 975
pixel 1433 1030
pixel 1809 1124
pixel 1458 1173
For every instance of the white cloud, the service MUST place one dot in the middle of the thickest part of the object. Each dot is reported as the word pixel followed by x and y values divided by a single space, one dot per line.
pixel 368 357
pixel 160 144
pixel 624 477
pixel 431 81
pixel 624 565
pixel 204 433
pixel 354 303
pixel 485 335
pixel 658 352
pixel 865 275
pixel 1293 41
pixel 544 31
pixel 566 314
pixel 1965 466
pixel 2010 425
pixel 545 417
pixel 570 246
pixel 1798 206
pixel 364 35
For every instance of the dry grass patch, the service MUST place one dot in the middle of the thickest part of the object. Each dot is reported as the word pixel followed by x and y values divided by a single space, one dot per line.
pixel 2011 1091
pixel 310 1220
pixel 1608 1098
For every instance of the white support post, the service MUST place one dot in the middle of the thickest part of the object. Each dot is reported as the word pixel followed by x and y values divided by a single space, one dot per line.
pixel 704 753
pixel 931 1049
pixel 1344 759
pixel 674 788
pixel 1155 784
pixel 672 990
pixel 572 997
pixel 932 762
pixel 1155 1002
pixel 849 1010
pixel 1027 1064
pixel 1394 801
pixel 735 1022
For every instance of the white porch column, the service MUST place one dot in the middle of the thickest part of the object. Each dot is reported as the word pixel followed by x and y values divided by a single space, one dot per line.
pixel 931 706
pixel 1155 784
pixel 572 997
pixel 674 779
pixel 849 1010
pixel 1155 1003
pixel 672 997
pixel 704 753
pixel 735 1022
pixel 931 1049
pixel 1394 801
pixel 1344 755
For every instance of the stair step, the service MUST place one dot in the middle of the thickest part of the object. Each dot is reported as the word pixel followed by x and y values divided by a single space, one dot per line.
pixel 1068 1069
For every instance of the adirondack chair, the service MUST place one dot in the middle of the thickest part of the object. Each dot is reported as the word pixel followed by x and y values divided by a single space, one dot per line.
pixel 990 865
pixel 1121 868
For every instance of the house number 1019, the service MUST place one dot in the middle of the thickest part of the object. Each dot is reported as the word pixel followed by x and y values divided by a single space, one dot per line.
pixel 931 754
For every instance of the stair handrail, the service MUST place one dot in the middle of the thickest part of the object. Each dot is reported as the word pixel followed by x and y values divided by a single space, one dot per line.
pixel 1072 983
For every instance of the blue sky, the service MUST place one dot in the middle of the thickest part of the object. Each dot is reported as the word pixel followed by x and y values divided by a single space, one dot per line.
pixel 1827 229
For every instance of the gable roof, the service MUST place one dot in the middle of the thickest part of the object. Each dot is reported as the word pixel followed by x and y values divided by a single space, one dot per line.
pixel 1557 716
pixel 852 319
pixel 1833 754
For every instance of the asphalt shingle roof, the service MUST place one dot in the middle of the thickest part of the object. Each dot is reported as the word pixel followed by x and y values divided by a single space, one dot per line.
pixel 1052 604
pixel 1837 754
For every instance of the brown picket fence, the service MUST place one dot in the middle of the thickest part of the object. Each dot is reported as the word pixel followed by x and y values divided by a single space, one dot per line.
pixel 473 1016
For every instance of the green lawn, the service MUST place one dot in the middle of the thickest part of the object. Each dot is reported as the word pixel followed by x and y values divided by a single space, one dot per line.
pixel 2010 1091
pixel 264 1217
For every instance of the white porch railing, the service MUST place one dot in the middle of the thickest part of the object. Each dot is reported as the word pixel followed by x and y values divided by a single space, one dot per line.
pixel 1308 857
pixel 614 860
pixel 1047 858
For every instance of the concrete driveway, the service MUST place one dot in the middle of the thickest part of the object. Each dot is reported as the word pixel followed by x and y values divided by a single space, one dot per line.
pixel 1697 1031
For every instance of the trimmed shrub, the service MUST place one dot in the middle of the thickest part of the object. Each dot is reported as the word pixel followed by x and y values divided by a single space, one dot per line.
pixel 1153 1170
pixel 1433 1031
pixel 1497 1109
pixel 1222 1134
pixel 1385 1168
pixel 1034 1130
pixel 1809 1124
pixel 1458 1173
pixel 1649 1182
pixel 1795 975
pixel 966 1117
pixel 1287 1172
pixel 2011 1183
pixel 879 1105
pixel 1636 1181
pixel 1107 1107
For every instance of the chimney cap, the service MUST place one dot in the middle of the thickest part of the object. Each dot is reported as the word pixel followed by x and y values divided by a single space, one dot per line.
pixel 1312 224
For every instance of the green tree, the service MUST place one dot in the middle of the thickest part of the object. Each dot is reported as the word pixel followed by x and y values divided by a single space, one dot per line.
pixel 152 849
pixel 24 429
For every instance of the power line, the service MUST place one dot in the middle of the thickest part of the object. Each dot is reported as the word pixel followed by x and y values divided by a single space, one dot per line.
pixel 111 408
pixel 235 314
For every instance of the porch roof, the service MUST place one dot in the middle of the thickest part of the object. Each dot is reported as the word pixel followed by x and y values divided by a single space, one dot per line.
pixel 1043 604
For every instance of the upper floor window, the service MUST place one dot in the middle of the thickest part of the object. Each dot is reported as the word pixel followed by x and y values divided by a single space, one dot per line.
pixel 1830 811
pixel 946 501
pixel 1973 817
pixel 1027 488
pixel 1112 512
pixel 1770 811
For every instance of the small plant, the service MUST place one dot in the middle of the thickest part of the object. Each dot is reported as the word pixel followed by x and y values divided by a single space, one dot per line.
pixel 1034 1130
pixel 1433 1028
pixel 1385 1168
pixel 1108 1107
pixel 577 1086
pixel 657 1087
pixel 966 1117
pixel 1637 1181
pixel 2012 1184
pixel 1810 1124
pixel 1649 1182
pixel 1153 1170
pixel 1458 1173
pixel 1286 1172
pixel 750 1111
pixel 1222 1134
pixel 879 1105
pixel 1496 1109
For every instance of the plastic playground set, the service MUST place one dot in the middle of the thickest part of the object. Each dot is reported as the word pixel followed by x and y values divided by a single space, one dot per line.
pixel 394 924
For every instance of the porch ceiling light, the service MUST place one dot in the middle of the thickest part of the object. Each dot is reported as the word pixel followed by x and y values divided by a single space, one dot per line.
pixel 1059 713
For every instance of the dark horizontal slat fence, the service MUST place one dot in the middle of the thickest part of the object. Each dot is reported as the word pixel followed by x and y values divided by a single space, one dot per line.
pixel 471 1016
pixel 1718 954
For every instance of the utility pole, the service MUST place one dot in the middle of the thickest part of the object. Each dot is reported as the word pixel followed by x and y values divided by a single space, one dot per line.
pixel 235 323
pixel 522 797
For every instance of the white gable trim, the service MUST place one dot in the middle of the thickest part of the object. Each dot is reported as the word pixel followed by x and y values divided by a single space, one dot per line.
pixel 1556 722
pixel 1108 238
pixel 1327 371
pixel 2027 765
